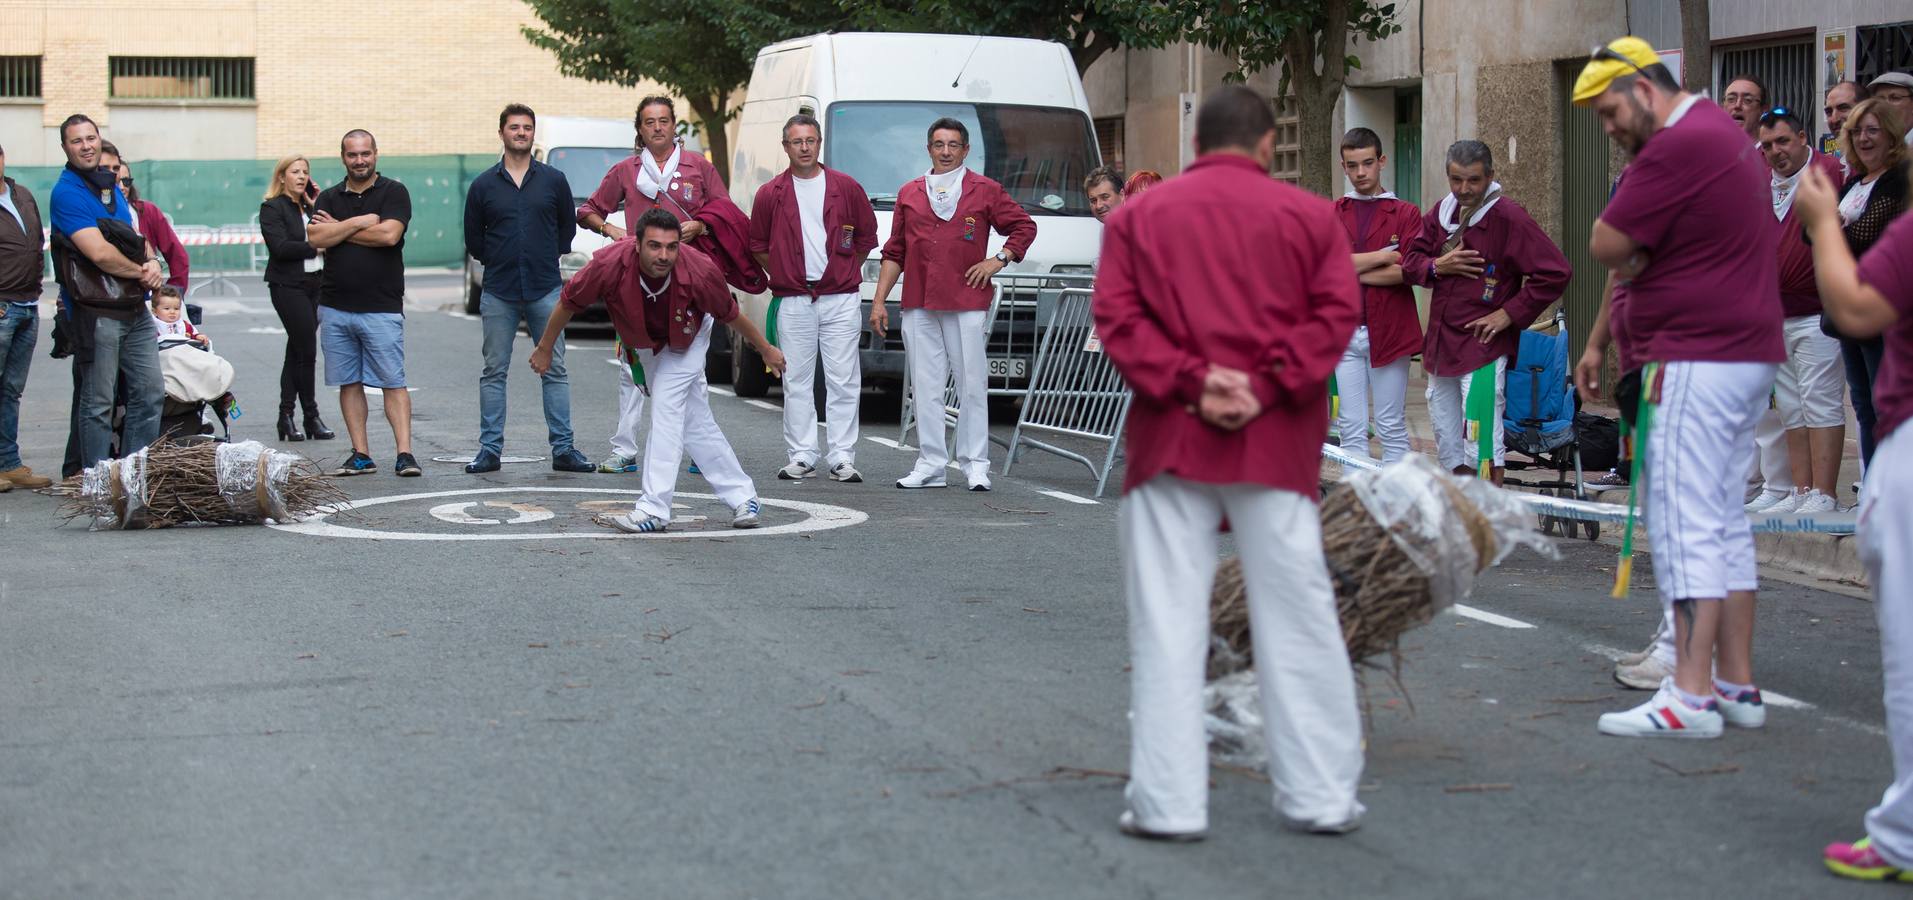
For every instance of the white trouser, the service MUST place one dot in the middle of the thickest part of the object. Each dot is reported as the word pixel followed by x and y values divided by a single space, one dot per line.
pixel 1886 548
pixel 1700 444
pixel 829 326
pixel 941 344
pixel 681 420
pixel 630 410
pixel 1387 387
pixel 1314 730
pixel 1770 458
pixel 1811 387
pixel 1447 410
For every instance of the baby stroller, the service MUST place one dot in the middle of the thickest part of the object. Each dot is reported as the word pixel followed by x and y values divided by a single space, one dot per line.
pixel 197 381
pixel 1538 422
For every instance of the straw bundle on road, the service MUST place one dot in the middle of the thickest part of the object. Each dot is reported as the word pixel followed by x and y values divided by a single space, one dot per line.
pixel 199 482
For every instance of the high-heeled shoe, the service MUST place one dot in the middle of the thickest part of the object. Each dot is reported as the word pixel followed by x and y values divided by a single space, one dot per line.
pixel 287 430
pixel 316 429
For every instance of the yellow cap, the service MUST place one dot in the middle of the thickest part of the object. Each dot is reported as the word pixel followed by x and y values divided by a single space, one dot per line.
pixel 1604 68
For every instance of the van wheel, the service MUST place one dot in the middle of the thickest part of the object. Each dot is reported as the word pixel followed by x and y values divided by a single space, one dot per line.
pixel 472 289
pixel 748 378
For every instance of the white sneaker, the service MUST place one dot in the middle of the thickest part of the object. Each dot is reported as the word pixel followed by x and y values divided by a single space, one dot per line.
pixel 1742 711
pixel 1815 503
pixel 796 470
pixel 745 515
pixel 919 479
pixel 1664 716
pixel 629 522
pixel 1645 675
pixel 846 472
pixel 1785 507
pixel 979 482
pixel 1766 500
pixel 1635 659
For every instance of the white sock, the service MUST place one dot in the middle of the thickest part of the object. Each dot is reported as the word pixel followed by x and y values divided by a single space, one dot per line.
pixel 1730 689
pixel 1691 701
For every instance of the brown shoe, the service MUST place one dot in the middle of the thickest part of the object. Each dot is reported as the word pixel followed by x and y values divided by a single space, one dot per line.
pixel 5 485
pixel 25 478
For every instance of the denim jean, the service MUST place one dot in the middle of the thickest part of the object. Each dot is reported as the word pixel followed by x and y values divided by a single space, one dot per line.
pixel 19 331
pixel 126 349
pixel 501 319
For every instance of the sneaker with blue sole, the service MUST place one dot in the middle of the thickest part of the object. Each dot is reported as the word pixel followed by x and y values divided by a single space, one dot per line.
pixel 356 464
pixel 617 465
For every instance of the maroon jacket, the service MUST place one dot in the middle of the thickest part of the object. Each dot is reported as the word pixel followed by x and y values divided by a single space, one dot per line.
pixel 159 232
pixel 1799 295
pixel 935 254
pixel 1224 265
pixel 1393 320
pixel 1529 272
pixel 695 192
pixel 849 221
pixel 612 277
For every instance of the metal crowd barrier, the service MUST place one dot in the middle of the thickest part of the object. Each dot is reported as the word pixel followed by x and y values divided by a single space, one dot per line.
pixel 1074 390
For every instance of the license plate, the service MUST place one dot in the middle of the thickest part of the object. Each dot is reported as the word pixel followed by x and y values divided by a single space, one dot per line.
pixel 1008 367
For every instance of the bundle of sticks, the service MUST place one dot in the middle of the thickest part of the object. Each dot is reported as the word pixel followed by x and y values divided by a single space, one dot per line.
pixel 199 482
pixel 1381 592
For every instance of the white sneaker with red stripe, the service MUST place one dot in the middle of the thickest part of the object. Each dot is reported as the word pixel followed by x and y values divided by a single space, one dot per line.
pixel 1744 709
pixel 1665 716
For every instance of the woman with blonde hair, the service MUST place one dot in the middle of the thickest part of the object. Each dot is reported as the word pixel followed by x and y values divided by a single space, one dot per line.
pixel 292 277
pixel 1873 144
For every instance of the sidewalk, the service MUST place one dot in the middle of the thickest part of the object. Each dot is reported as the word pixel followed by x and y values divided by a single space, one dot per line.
pixel 1823 556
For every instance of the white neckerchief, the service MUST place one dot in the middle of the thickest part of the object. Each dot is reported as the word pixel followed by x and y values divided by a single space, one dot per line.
pixel 651 178
pixel 1783 188
pixel 657 294
pixel 1385 195
pixel 944 191
pixel 1681 110
pixel 1449 204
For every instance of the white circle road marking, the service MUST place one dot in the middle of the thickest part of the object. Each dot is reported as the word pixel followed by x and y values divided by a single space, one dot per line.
pixel 822 517
pixel 461 460
pixel 523 513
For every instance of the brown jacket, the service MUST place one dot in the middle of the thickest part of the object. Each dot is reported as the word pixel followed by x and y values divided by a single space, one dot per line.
pixel 21 249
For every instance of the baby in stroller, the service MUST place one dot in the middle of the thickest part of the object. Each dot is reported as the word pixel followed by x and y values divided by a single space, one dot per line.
pixel 198 381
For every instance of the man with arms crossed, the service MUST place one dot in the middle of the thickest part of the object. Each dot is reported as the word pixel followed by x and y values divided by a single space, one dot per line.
pixel 1374 368
pixel 1225 298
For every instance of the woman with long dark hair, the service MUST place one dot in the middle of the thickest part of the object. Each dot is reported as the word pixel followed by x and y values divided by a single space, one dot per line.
pixel 292 276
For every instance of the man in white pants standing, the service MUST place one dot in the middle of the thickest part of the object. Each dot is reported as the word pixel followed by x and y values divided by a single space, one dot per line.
pixel 1874 300
pixel 662 296
pixel 1225 298
pixel 1375 365
pixel 938 236
pixel 1691 220
pixel 811 228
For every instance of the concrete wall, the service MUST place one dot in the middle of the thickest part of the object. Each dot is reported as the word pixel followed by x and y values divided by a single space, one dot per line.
pixel 320 70
pixel 186 131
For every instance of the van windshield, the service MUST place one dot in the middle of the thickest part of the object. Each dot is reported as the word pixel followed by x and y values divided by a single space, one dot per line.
pixel 584 167
pixel 1039 154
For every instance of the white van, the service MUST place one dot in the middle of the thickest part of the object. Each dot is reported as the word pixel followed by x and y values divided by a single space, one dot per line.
pixel 876 95
pixel 584 149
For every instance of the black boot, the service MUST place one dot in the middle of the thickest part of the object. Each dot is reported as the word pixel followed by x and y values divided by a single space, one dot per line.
pixel 287 430
pixel 316 429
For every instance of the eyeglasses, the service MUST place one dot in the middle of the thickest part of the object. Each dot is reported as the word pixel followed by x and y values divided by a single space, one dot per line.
pixel 948 145
pixel 1872 131
pixel 803 142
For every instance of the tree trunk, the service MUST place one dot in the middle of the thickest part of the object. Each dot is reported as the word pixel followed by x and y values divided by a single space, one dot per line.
pixel 1697 48
pixel 1316 93
pixel 713 114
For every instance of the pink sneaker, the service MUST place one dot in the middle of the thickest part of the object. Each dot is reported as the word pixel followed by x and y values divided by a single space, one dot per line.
pixel 1860 861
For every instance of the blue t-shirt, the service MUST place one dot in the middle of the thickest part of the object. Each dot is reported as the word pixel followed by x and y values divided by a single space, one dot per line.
pixel 76 207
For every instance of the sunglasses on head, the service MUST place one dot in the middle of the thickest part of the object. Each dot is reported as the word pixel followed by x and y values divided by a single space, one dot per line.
pixel 1609 53
pixel 1778 112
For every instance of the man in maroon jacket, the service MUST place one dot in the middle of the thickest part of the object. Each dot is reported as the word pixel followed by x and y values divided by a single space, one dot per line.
pixel 938 235
pixel 1225 298
pixel 1491 270
pixel 1375 365
pixel 662 295
pixel 811 228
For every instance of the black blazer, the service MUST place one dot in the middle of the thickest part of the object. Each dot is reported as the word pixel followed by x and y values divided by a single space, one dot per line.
pixel 282 223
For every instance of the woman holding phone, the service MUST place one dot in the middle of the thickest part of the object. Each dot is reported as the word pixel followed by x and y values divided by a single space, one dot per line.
pixel 292 276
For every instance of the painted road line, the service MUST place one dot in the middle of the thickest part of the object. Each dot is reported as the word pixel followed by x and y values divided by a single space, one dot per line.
pixel 1069 497
pixel 818 517
pixel 721 390
pixel 885 442
pixel 1482 615
pixel 763 405
pixel 1775 698
pixel 466 316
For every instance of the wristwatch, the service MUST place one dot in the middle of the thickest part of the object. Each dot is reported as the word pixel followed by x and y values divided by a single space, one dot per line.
pixel 1003 256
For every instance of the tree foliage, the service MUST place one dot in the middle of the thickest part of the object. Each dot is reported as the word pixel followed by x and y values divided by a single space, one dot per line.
pixel 701 50
pixel 1089 28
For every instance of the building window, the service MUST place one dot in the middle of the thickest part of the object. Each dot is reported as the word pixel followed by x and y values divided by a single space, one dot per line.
pixel 181 78
pixel 1786 69
pixel 20 77
pixel 1109 139
pixel 1288 141
pixel 1883 49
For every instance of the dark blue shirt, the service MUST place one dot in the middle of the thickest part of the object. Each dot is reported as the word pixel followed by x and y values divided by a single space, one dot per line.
pixel 519 231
